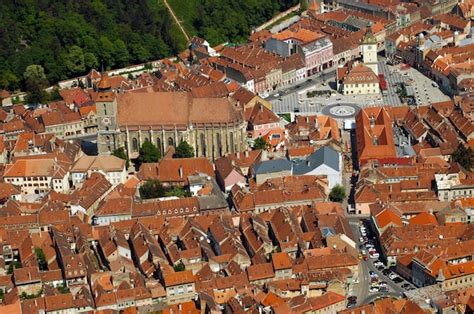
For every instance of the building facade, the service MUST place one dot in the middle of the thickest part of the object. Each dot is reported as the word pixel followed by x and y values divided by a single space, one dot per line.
pixel 212 126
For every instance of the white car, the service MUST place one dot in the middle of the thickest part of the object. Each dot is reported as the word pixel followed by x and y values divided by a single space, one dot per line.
pixel 378 263
pixel 373 289
pixel 369 245
pixel 392 276
pixel 374 255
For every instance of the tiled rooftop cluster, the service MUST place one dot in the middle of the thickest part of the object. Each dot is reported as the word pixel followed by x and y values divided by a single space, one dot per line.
pixel 255 231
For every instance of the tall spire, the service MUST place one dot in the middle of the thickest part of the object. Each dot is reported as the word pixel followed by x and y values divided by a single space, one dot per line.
pixel 369 37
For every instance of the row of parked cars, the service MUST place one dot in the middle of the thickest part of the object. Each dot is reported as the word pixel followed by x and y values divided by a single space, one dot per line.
pixel 368 250
pixel 367 244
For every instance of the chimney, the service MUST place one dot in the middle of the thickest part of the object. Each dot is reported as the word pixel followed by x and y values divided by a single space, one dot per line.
pixel 247 154
pixel 180 171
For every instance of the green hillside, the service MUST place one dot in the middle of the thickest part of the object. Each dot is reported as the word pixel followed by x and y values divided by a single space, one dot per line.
pixel 70 37
pixel 226 20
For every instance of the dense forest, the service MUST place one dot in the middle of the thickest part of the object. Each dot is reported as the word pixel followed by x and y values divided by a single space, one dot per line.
pixel 226 20
pixel 70 37
pixel 67 38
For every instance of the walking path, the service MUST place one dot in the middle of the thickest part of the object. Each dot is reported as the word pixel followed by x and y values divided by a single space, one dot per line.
pixel 177 21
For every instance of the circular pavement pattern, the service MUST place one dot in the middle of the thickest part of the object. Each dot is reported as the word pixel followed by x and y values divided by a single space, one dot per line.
pixel 341 110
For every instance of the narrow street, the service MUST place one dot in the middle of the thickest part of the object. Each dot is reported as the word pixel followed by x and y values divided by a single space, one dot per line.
pixel 361 289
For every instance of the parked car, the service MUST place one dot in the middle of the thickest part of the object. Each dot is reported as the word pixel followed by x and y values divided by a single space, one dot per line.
pixel 397 280
pixel 380 267
pixel 374 289
pixel 386 272
pixel 406 285
pixel 392 276
pixel 374 255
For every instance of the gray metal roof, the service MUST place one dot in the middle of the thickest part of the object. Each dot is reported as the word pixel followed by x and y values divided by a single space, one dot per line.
pixel 275 165
pixel 325 155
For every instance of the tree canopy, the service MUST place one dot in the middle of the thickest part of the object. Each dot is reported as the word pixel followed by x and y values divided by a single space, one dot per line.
pixel 69 38
pixel 260 143
pixel 149 153
pixel 152 189
pixel 184 150
pixel 464 156
pixel 35 83
pixel 221 21
pixel 155 189
pixel 120 153
pixel 337 194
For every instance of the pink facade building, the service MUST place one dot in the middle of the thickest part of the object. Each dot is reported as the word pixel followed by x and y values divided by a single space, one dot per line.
pixel 318 55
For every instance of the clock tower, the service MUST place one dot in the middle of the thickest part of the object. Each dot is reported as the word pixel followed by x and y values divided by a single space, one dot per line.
pixel 368 47
pixel 106 107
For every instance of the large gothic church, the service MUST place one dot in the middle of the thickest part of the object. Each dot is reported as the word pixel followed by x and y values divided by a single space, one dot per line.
pixel 212 126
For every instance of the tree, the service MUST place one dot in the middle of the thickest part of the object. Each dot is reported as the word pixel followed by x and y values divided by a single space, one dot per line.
pixel 90 61
pixel 179 267
pixel 464 156
pixel 152 189
pixel 149 153
pixel 106 51
pixel 75 60
pixel 41 258
pixel 63 289
pixel 260 143
pixel 120 53
pixel 120 153
pixel 337 194
pixel 184 150
pixel 53 95
pixel 35 83
pixel 304 5
pixel 8 80
pixel 13 265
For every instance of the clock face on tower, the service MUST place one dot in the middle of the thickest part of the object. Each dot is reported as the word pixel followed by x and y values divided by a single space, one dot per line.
pixel 106 121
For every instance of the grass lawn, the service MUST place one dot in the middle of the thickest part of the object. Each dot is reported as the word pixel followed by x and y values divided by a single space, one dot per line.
pixel 185 11
pixel 284 18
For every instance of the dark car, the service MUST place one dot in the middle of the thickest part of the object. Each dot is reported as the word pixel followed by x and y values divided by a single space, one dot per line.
pixel 386 272
pixel 406 286
pixel 352 298
pixel 397 280
pixel 380 268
